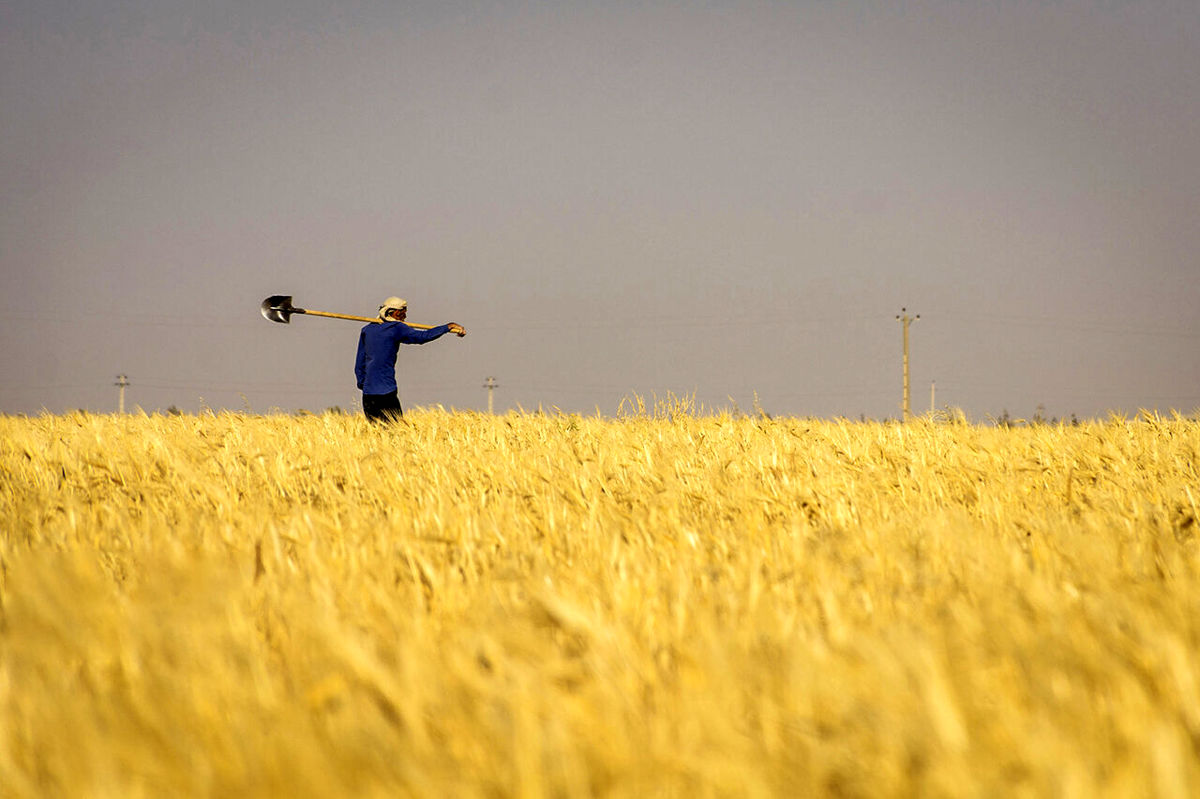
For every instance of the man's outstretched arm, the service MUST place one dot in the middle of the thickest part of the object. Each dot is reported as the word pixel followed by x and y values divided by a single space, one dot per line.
pixel 412 335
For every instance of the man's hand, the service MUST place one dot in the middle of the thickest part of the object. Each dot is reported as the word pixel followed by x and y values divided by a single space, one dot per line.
pixel 457 329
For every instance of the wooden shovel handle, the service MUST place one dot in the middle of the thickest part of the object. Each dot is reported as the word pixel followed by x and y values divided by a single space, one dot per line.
pixel 354 318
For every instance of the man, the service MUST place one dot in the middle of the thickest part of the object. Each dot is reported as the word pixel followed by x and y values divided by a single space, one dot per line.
pixel 375 365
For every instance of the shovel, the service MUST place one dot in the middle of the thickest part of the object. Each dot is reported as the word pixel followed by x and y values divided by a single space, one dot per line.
pixel 279 308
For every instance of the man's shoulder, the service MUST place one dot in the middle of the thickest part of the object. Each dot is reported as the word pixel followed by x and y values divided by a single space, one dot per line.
pixel 389 331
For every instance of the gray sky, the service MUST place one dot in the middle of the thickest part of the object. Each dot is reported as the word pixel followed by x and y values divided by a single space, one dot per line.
pixel 710 198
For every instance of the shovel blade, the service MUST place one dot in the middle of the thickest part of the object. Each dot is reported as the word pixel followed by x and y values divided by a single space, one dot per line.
pixel 278 308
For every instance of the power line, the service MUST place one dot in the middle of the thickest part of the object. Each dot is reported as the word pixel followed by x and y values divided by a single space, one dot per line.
pixel 122 382
pixel 1079 326
pixel 490 384
pixel 905 321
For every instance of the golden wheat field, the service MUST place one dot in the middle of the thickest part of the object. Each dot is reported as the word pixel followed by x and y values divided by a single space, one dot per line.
pixel 662 604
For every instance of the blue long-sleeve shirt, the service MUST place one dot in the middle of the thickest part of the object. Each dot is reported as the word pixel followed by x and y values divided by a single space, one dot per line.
pixel 375 365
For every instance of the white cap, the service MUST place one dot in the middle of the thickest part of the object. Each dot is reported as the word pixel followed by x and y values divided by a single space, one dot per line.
pixel 391 304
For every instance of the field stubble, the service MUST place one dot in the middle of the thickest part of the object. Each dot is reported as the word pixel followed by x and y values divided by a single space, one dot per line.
pixel 467 605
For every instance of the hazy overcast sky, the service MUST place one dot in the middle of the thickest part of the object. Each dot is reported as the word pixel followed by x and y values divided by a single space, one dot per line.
pixel 714 198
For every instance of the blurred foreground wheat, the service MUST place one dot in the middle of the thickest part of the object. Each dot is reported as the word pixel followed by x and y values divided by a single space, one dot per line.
pixel 531 605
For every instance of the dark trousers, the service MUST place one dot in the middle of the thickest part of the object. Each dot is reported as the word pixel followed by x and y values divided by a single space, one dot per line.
pixel 382 407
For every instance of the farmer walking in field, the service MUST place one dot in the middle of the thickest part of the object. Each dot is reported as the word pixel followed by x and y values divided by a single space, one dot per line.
pixel 375 365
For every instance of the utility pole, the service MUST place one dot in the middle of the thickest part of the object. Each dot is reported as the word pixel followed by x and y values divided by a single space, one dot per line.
pixel 122 381
pixel 905 321
pixel 932 394
pixel 489 385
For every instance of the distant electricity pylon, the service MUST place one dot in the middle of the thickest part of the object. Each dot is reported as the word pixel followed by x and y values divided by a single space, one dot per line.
pixel 905 321
pixel 122 381
pixel 489 385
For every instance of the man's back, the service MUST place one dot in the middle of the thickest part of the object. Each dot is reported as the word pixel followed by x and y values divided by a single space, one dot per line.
pixel 375 365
